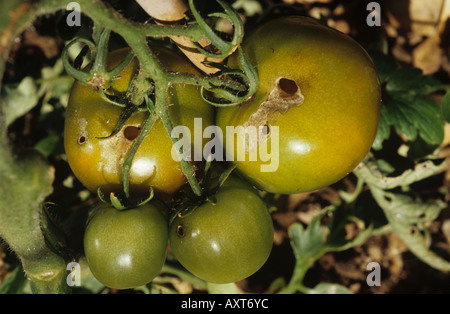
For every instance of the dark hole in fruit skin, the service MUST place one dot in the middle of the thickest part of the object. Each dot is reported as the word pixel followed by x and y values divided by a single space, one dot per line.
pixel 82 139
pixel 288 86
pixel 180 231
pixel 131 132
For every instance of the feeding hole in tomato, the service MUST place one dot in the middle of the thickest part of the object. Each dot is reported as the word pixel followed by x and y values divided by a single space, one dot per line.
pixel 288 86
pixel 180 231
pixel 131 132
pixel 82 139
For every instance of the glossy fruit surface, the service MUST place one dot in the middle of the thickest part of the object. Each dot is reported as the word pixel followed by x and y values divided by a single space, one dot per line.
pixel 126 249
pixel 98 162
pixel 316 109
pixel 226 241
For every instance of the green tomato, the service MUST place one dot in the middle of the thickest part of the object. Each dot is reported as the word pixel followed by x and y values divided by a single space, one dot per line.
pixel 226 241
pixel 315 112
pixel 126 249
pixel 97 163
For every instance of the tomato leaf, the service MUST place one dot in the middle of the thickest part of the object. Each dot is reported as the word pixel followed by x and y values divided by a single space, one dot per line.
pixel 411 81
pixel 384 129
pixel 15 282
pixel 405 107
pixel 413 116
pixel 410 218
pixel 385 65
pixel 445 106
pixel 308 243
pixel 18 100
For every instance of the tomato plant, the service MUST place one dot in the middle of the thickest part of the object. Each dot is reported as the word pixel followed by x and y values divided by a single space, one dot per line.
pixel 345 172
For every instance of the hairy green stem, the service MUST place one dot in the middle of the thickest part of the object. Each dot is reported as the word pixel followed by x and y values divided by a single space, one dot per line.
pixel 26 179
pixel 300 269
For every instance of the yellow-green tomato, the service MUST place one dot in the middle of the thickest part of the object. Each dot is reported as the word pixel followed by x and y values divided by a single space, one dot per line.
pixel 98 162
pixel 226 241
pixel 315 113
pixel 126 249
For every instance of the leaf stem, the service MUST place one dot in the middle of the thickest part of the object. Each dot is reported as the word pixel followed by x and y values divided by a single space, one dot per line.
pixel 147 125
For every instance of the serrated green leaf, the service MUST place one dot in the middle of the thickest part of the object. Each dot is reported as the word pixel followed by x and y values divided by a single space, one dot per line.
pixel 402 119
pixel 409 218
pixel 408 215
pixel 384 64
pixel 308 243
pixel 413 116
pixel 19 100
pixel 445 106
pixel 411 81
pixel 428 119
pixel 384 129
pixel 404 106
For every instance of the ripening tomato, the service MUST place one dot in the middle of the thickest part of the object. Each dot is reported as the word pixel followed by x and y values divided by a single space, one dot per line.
pixel 98 162
pixel 126 249
pixel 315 113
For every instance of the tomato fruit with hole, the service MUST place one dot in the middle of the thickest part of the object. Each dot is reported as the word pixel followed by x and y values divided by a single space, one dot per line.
pixel 315 113
pixel 98 162
pixel 226 241
pixel 126 249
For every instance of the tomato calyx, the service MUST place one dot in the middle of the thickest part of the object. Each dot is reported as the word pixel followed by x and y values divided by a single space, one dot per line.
pixel 120 202
pixel 211 182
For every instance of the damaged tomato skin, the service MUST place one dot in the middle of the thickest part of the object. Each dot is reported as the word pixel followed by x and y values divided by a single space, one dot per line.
pixel 226 241
pixel 324 138
pixel 97 163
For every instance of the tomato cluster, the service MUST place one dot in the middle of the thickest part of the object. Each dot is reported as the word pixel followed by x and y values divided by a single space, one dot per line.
pixel 315 113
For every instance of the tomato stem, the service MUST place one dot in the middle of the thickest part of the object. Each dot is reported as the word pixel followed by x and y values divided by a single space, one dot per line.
pixel 147 125
pixel 163 113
